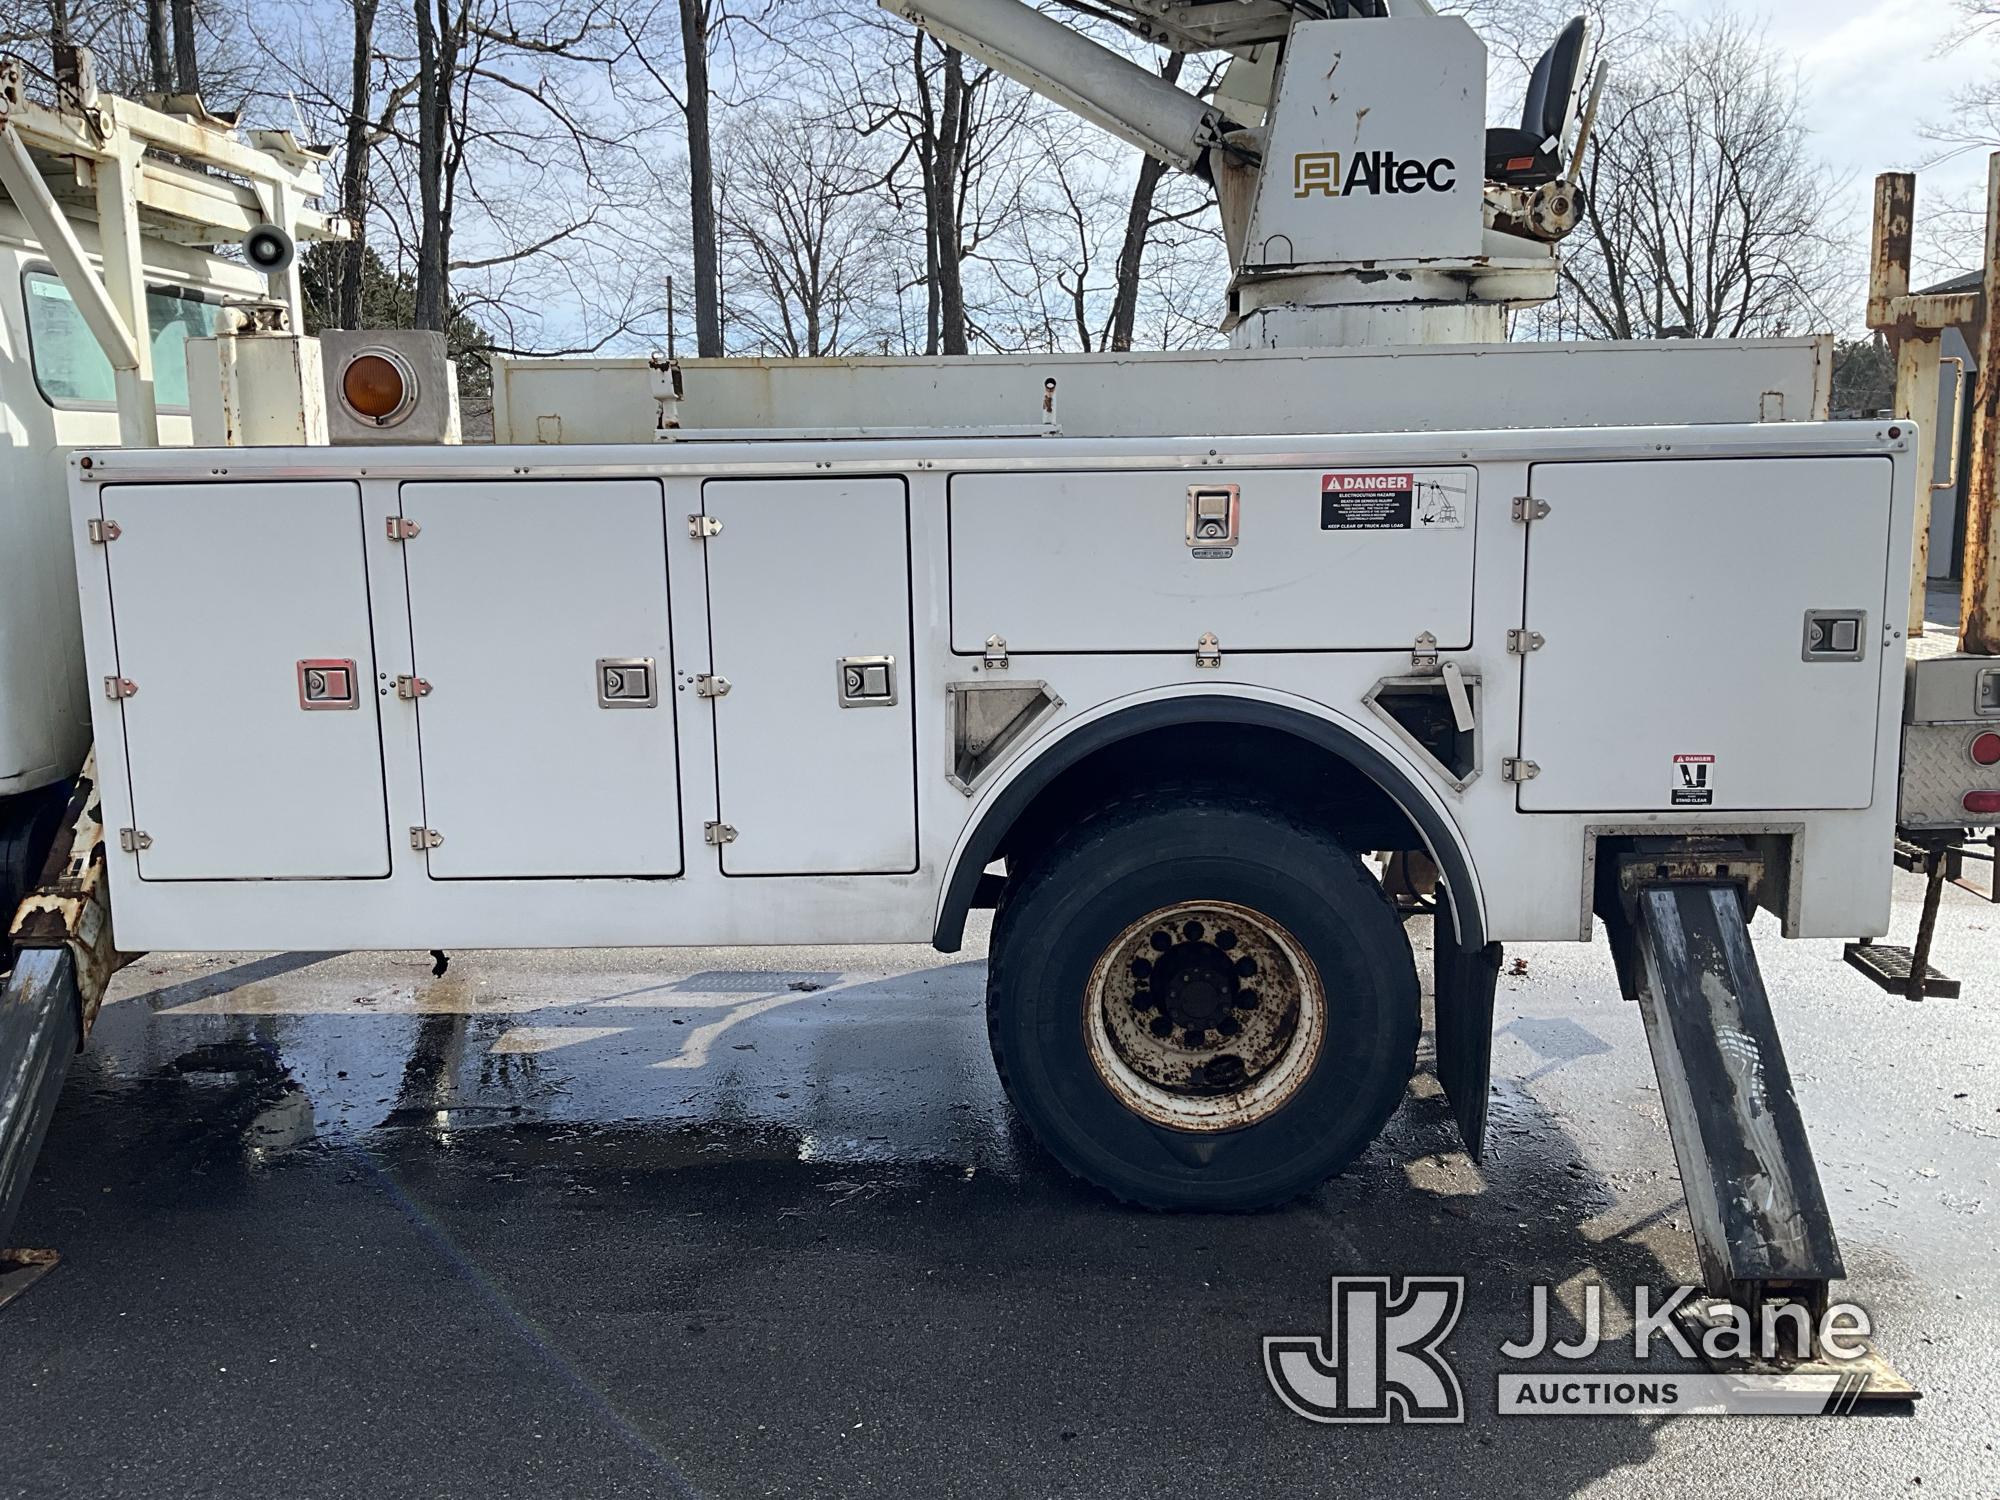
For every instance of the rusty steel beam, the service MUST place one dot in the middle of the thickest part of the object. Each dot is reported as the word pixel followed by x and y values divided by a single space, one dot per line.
pixel 1979 599
pixel 1913 324
pixel 1889 247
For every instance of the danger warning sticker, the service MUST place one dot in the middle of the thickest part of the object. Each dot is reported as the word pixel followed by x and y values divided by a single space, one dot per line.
pixel 1694 781
pixel 1388 502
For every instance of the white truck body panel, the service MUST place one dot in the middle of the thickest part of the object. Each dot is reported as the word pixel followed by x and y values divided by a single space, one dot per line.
pixel 814 579
pixel 232 588
pixel 1671 598
pixel 1430 388
pixel 516 592
pixel 1113 569
pixel 814 572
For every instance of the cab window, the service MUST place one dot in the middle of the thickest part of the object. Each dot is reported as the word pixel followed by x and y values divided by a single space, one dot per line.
pixel 71 370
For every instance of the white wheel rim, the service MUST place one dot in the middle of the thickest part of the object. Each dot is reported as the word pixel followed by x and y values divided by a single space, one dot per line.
pixel 1168 1028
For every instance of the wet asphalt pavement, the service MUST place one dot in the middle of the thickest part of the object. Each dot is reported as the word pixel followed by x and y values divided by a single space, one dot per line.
pixel 760 1223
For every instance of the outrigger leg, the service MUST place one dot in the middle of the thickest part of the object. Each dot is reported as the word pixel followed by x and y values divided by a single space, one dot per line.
pixel 1678 913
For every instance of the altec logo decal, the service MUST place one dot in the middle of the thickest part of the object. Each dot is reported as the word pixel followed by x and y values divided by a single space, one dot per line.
pixel 1318 173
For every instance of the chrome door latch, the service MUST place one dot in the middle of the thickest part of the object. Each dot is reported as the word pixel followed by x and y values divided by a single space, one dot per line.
pixel 867 681
pixel 1214 518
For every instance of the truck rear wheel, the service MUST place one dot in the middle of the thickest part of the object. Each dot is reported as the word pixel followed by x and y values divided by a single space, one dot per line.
pixel 1201 1003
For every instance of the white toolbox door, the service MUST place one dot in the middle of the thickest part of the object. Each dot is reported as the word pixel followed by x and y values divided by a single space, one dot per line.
pixel 219 594
pixel 1672 597
pixel 1339 557
pixel 518 589
pixel 807 574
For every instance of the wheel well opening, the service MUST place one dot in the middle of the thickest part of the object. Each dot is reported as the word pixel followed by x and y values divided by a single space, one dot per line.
pixel 1258 761
pixel 1315 766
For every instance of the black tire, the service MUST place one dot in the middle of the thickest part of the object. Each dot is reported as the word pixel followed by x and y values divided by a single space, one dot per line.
pixel 28 827
pixel 1146 854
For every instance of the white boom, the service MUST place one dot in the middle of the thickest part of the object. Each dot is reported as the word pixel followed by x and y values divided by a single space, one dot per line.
pixel 1134 104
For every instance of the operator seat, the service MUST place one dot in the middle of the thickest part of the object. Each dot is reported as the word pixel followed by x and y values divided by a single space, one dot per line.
pixel 1532 155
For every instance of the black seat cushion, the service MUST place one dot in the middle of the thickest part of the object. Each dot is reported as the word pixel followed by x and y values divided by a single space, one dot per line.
pixel 1515 157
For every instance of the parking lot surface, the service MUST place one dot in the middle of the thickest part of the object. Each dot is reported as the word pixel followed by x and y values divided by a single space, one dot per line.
pixel 760 1222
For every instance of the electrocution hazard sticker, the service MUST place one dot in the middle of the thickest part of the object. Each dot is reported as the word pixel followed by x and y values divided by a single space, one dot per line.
pixel 1389 502
pixel 1694 781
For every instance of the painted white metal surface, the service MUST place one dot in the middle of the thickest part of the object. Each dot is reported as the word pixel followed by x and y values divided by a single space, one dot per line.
pixel 1347 111
pixel 1672 599
pixel 805 573
pixel 217 593
pixel 1531 872
pixel 262 390
pixel 517 589
pixel 1432 388
pixel 1328 559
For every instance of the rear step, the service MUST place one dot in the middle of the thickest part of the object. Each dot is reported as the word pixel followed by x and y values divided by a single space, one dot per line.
pixel 1679 927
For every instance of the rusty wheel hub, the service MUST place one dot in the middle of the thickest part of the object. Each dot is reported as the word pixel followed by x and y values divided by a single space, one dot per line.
pixel 1204 1016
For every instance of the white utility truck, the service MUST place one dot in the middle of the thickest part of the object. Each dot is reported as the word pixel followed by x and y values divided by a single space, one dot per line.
pixel 1148 653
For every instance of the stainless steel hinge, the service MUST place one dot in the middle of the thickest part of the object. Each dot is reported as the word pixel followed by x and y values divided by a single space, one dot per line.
pixel 102 531
pixel 402 528
pixel 1424 653
pixel 707 686
pixel 1512 769
pixel 701 528
pixel 1528 508
pixel 412 688
pixel 422 839
pixel 996 653
pixel 132 840
pixel 1208 650
pixel 717 833
pixel 119 687
pixel 1521 642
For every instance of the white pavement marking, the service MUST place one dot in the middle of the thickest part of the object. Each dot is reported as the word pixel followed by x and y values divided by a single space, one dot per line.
pixel 550 1038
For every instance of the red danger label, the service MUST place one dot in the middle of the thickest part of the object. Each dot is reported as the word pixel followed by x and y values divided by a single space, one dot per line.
pixel 1343 484
pixel 1366 502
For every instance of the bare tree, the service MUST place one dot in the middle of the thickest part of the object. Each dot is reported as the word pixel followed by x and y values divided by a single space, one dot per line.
pixel 1138 228
pixel 695 104
pixel 802 232
pixel 356 159
pixel 159 56
pixel 1708 212
pixel 187 49
pixel 140 46
pixel 1951 234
